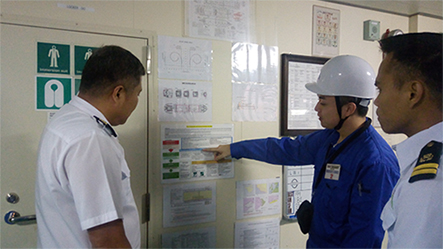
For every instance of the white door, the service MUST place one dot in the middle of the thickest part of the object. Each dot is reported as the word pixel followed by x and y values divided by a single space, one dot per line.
pixel 21 124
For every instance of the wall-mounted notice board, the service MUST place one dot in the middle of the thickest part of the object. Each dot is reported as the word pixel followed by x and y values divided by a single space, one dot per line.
pixel 298 116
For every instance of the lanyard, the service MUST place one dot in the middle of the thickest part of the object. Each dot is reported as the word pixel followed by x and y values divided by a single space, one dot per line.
pixel 331 158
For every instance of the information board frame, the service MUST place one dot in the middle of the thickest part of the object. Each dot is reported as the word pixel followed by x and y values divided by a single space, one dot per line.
pixel 285 129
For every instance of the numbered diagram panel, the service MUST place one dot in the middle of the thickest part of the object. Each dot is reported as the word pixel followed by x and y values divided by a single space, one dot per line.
pixel 297 187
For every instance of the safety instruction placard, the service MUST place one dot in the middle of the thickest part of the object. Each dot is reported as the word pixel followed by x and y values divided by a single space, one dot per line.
pixel 52 92
pixel 82 54
pixel 53 58
pixel 182 158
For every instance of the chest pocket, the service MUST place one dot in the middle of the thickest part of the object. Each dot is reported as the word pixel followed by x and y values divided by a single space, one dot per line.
pixel 336 196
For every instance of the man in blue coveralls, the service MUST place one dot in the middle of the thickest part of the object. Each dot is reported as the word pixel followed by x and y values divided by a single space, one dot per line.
pixel 355 169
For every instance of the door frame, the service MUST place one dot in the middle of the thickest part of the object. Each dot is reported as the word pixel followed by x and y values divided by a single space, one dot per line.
pixel 147 60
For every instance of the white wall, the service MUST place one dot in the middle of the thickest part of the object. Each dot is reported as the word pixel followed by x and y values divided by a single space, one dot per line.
pixel 420 23
pixel 286 24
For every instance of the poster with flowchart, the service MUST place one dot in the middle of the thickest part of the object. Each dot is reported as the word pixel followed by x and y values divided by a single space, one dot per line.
pixel 182 158
pixel 221 19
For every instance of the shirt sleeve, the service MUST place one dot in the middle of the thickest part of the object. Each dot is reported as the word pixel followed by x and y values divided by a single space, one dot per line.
pixel 93 168
pixel 284 151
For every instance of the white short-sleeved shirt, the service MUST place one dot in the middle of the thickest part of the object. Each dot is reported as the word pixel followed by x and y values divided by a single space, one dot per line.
pixel 413 215
pixel 82 180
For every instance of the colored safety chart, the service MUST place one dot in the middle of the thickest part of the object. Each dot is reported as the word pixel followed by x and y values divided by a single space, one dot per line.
pixel 258 198
pixel 325 31
pixel 182 158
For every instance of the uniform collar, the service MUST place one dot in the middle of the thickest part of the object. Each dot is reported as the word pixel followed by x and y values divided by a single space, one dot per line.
pixel 85 106
pixel 95 114
pixel 409 150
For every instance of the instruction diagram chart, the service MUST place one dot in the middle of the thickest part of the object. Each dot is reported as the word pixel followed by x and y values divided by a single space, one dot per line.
pixel 224 20
pixel 185 101
pixel 181 58
pixel 297 187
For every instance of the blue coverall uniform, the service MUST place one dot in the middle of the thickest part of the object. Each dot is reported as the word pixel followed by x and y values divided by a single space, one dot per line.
pixel 346 211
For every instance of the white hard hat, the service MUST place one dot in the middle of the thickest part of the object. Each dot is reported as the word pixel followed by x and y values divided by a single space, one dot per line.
pixel 345 75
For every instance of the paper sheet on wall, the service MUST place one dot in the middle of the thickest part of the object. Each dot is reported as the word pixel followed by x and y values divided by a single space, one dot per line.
pixel 184 101
pixel 254 102
pixel 185 204
pixel 258 198
pixel 184 58
pixel 195 238
pixel 325 31
pixel 254 63
pixel 254 82
pixel 223 20
pixel 182 156
pixel 301 101
pixel 297 188
pixel 258 234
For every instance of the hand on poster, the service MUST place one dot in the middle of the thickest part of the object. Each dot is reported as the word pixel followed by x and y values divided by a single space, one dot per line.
pixel 221 152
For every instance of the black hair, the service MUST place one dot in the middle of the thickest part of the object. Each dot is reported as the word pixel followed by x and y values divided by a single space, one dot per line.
pixel 340 101
pixel 107 67
pixel 418 57
pixel 362 111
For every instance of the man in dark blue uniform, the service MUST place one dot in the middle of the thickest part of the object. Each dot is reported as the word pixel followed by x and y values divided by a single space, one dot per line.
pixel 355 169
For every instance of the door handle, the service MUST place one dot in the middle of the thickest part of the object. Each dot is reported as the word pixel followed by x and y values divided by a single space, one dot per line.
pixel 14 218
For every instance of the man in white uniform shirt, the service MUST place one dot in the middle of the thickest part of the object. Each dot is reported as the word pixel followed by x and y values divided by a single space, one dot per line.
pixel 410 102
pixel 83 194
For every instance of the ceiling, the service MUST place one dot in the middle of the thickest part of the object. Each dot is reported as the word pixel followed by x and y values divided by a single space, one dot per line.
pixel 431 8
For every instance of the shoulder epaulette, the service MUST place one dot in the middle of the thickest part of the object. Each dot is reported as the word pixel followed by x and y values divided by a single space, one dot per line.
pixel 106 127
pixel 428 162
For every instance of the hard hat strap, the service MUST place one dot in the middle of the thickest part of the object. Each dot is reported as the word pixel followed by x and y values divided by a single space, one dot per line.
pixel 339 106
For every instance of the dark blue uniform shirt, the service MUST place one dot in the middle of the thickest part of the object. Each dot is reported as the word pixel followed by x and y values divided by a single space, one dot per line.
pixel 346 211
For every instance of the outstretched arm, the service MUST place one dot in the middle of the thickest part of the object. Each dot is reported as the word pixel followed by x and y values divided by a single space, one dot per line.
pixel 220 152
